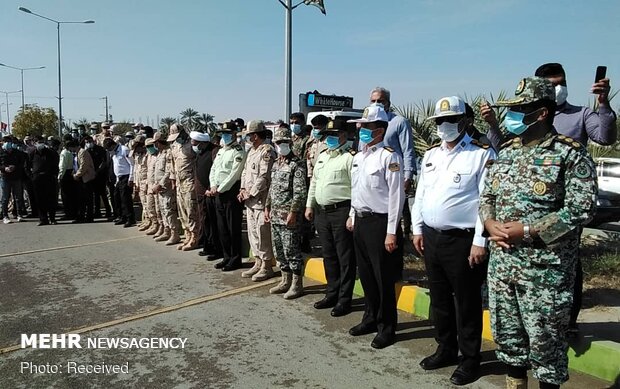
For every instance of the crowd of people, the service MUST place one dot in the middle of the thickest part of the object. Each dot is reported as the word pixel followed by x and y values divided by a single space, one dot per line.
pixel 521 197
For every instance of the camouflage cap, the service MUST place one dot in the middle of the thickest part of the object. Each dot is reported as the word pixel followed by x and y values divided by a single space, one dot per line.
pixel 282 133
pixel 255 126
pixel 174 131
pixel 530 90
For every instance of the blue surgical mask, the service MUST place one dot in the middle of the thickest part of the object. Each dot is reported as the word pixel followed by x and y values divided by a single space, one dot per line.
pixel 227 138
pixel 365 135
pixel 296 128
pixel 514 122
pixel 151 150
pixel 316 133
pixel 332 142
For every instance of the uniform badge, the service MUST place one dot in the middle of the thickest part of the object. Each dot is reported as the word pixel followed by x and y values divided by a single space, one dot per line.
pixel 520 87
pixel 365 114
pixel 266 157
pixel 394 167
pixel 444 106
pixel 582 170
pixel 495 185
pixel 456 178
pixel 298 173
pixel 253 166
pixel 540 188
pixel 330 125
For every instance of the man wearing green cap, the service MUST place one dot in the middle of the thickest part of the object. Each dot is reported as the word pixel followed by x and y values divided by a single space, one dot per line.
pixel 537 194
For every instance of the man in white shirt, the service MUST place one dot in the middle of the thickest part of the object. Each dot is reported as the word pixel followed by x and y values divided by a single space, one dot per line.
pixel 448 233
pixel 123 170
pixel 377 200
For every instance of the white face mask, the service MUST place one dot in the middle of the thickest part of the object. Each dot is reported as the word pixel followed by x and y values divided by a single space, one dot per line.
pixel 283 149
pixel 196 149
pixel 561 93
pixel 247 146
pixel 448 131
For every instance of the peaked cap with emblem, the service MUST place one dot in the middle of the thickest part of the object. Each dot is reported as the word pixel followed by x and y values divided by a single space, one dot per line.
pixel 530 90
pixel 228 127
pixel 336 125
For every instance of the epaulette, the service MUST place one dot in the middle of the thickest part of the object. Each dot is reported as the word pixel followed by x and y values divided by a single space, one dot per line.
pixel 388 148
pixel 433 146
pixel 479 144
pixel 238 147
pixel 352 151
pixel 569 141
pixel 508 143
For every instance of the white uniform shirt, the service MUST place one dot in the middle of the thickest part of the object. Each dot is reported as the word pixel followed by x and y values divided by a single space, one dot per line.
pixel 122 162
pixel 378 184
pixel 448 193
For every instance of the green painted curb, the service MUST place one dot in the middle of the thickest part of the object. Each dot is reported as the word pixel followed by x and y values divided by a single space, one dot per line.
pixel 598 358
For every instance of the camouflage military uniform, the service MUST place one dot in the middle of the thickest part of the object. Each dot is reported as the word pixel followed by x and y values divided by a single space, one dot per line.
pixel 552 187
pixel 140 181
pixel 182 159
pixel 315 147
pixel 287 194
pixel 152 203
pixel 300 146
pixel 167 196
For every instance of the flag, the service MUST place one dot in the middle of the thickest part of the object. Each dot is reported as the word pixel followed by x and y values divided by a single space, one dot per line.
pixel 316 3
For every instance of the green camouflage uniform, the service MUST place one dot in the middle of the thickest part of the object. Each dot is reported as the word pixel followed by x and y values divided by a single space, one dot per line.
pixel 551 186
pixel 287 193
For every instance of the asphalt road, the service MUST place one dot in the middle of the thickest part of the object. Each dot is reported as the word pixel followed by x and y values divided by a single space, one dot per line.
pixel 60 279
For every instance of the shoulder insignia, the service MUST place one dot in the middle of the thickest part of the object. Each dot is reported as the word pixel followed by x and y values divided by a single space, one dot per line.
pixel 238 147
pixel 238 159
pixel 583 171
pixel 479 144
pixel 567 140
pixel 267 157
pixel 394 166
pixel 489 163
pixel 352 152
pixel 298 173
pixel 508 143
pixel 388 148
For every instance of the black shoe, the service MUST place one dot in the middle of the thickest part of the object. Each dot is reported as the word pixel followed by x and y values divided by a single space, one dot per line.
pixel 118 222
pixel 203 253
pixel 43 223
pixel 362 329
pixel 382 341
pixel 53 221
pixel 465 374
pixel 325 303
pixel 232 266
pixel 340 310
pixel 129 224
pixel 572 332
pixel 220 264
pixel 438 360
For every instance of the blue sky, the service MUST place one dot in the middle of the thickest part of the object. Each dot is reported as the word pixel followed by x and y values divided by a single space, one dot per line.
pixel 157 57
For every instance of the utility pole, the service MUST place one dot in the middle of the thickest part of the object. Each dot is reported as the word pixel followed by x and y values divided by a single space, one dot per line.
pixel 107 116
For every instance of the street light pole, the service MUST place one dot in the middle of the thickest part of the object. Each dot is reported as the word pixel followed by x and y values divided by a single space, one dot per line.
pixel 58 23
pixel 288 50
pixel 21 70
pixel 8 115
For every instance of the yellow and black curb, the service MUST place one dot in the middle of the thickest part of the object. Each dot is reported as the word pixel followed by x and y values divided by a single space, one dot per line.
pixel 598 358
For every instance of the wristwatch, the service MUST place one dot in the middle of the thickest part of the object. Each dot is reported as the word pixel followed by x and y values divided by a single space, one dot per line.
pixel 527 238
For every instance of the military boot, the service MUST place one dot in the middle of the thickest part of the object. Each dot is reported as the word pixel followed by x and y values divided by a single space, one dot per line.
pixel 516 383
pixel 264 273
pixel 284 285
pixel 173 239
pixel 153 229
pixel 253 270
pixel 296 289
pixel 159 232
pixel 164 236
pixel 192 244
pixel 145 226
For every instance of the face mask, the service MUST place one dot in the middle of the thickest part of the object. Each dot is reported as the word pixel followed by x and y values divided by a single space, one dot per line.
pixel 40 146
pixel 561 93
pixel 332 142
pixel 448 131
pixel 365 135
pixel 227 139
pixel 196 149
pixel 296 128
pixel 89 145
pixel 316 133
pixel 283 149
pixel 247 146
pixel 151 150
pixel 514 122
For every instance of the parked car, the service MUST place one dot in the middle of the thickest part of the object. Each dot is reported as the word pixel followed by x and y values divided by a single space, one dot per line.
pixel 608 204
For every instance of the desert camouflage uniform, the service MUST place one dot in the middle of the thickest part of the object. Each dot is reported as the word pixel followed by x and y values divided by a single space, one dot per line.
pixel 300 146
pixel 167 196
pixel 140 180
pixel 552 187
pixel 152 201
pixel 182 163
pixel 287 194
pixel 315 147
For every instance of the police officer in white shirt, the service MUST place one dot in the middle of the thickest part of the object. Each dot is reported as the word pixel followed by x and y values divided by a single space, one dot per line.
pixel 448 233
pixel 123 190
pixel 377 200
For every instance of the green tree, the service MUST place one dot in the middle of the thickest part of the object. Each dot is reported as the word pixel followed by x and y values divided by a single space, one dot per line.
pixel 165 123
pixel 202 122
pixel 189 118
pixel 33 120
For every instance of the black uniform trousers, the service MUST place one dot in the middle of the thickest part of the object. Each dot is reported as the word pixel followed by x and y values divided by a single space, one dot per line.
pixel 86 202
pixel 229 218
pixel 44 191
pixel 378 271
pixel 210 234
pixel 453 282
pixel 69 191
pixel 99 191
pixel 123 193
pixel 338 251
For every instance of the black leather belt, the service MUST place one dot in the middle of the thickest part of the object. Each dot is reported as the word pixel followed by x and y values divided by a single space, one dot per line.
pixel 364 214
pixel 456 232
pixel 332 207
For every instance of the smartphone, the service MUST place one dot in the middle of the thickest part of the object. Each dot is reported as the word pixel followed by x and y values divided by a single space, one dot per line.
pixel 601 72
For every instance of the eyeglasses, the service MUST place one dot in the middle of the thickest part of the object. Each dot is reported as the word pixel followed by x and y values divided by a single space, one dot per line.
pixel 380 101
pixel 448 119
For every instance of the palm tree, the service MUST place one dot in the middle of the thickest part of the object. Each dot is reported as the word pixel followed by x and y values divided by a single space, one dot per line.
pixel 202 122
pixel 165 123
pixel 189 118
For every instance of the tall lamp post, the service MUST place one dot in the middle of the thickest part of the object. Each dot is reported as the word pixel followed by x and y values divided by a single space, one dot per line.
pixel 58 23
pixel 288 51
pixel 8 115
pixel 22 72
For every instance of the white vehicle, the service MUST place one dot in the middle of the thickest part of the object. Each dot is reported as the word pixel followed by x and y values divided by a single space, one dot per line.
pixel 333 115
pixel 608 204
